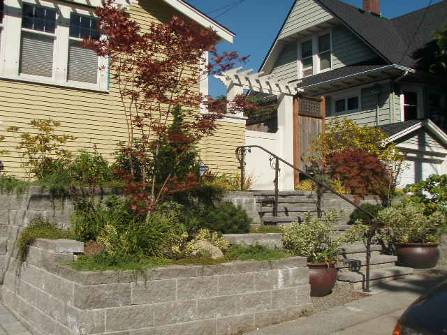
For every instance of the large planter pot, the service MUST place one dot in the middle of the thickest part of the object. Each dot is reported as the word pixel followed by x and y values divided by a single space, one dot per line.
pixel 322 278
pixel 418 255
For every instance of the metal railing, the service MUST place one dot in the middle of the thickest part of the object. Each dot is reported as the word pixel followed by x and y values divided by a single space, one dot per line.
pixel 241 153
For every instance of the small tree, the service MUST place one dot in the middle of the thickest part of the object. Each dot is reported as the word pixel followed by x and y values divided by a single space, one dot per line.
pixel 344 146
pixel 43 150
pixel 157 72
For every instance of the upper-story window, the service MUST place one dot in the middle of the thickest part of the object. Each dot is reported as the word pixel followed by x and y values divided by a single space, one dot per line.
pixel 45 44
pixel 82 62
pixel 324 51
pixel 315 55
pixel 2 5
pixel 307 58
pixel 37 40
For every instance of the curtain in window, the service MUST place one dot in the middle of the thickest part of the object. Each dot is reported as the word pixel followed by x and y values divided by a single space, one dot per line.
pixel 36 55
pixel 82 63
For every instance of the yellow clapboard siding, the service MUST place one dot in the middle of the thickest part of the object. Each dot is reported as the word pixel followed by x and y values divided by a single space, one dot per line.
pixel 96 119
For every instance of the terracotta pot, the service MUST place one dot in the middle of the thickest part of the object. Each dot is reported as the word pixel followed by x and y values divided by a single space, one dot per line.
pixel 418 255
pixel 322 278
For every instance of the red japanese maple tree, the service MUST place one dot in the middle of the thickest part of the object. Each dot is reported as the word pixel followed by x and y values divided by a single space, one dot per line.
pixel 157 69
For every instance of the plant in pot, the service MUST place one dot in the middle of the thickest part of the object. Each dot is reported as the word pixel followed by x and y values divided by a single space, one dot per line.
pixel 414 234
pixel 317 240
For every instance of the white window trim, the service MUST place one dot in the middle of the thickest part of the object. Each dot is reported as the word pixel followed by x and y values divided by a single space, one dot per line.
pixel 10 55
pixel 420 96
pixel 345 95
pixel 301 56
pixel 315 53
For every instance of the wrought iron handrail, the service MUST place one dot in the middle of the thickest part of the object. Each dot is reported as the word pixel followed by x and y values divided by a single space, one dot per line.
pixel 240 154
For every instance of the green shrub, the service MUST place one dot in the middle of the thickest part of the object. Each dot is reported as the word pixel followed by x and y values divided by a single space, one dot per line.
pixel 358 216
pixel 9 184
pixel 162 234
pixel 409 223
pixel 432 193
pixel 256 252
pixel 224 218
pixel 90 170
pixel 316 239
pixel 39 228
pixel 90 216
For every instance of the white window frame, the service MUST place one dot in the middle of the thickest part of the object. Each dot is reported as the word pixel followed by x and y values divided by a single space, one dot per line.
pixel 420 100
pixel 11 36
pixel 315 53
pixel 346 95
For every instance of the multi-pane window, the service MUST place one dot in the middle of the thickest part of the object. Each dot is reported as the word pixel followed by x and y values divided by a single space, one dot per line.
pixel 307 58
pixel 2 8
pixel 37 40
pixel 82 62
pixel 324 51
pixel 350 104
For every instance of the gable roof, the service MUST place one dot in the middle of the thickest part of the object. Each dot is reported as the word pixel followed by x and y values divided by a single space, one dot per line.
pixel 398 130
pixel 394 40
pixel 202 19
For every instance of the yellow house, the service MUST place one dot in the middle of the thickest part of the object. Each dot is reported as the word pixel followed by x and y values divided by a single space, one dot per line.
pixel 46 73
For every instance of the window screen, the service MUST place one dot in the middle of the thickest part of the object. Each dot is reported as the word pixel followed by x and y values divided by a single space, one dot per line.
pixel 36 54
pixel 82 63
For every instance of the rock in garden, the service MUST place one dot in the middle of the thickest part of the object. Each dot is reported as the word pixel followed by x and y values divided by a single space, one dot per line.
pixel 206 249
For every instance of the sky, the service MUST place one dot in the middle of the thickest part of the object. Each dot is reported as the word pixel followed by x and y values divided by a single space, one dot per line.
pixel 256 24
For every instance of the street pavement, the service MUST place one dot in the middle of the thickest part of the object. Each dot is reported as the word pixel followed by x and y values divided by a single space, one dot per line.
pixel 373 315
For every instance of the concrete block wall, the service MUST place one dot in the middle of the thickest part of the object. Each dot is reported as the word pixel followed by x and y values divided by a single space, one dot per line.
pixel 18 210
pixel 53 299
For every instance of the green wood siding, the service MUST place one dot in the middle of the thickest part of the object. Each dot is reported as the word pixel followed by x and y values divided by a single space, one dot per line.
pixel 286 67
pixel 305 14
pixel 348 49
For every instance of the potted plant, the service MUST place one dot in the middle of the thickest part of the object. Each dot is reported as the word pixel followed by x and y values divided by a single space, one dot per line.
pixel 317 240
pixel 414 232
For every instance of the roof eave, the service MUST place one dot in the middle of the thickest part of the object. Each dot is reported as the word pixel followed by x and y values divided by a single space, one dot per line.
pixel 429 124
pixel 199 17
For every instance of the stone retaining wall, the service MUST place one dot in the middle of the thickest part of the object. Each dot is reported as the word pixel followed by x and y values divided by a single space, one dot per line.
pixel 52 299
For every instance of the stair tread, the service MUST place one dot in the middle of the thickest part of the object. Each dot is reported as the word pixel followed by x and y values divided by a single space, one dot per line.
pixel 358 248
pixel 375 259
pixel 391 272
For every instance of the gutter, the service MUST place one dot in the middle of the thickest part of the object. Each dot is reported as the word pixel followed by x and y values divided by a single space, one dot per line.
pixel 393 66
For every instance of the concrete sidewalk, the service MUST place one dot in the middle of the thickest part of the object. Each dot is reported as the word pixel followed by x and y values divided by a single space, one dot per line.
pixel 374 315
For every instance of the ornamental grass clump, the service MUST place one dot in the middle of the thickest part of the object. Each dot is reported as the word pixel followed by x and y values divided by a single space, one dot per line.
pixel 408 223
pixel 316 238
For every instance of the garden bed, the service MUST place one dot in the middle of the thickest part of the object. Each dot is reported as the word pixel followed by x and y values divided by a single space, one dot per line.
pixel 50 297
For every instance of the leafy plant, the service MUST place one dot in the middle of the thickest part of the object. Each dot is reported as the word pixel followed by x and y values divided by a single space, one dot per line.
pixel 432 193
pixel 408 223
pixel 229 182
pixel 43 150
pixel 9 184
pixel 224 218
pixel 162 234
pixel 90 170
pixel 316 239
pixel 362 174
pixel 39 228
pixel 255 252
pixel 360 217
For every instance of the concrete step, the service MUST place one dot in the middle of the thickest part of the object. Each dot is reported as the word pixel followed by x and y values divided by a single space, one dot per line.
pixel 289 208
pixel 352 250
pixel 376 277
pixel 288 200
pixel 377 261
pixel 3 246
pixel 270 220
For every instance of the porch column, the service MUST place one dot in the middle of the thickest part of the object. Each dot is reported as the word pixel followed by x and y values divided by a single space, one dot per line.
pixel 285 150
pixel 232 92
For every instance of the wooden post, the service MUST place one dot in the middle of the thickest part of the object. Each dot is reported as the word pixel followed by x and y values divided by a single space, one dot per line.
pixel 296 138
